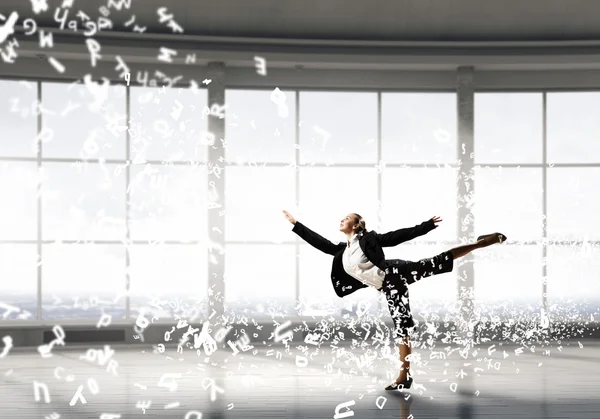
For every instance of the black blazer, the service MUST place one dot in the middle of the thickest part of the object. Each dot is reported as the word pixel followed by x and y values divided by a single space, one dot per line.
pixel 371 243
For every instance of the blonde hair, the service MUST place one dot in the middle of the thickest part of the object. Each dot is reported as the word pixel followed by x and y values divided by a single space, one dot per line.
pixel 362 224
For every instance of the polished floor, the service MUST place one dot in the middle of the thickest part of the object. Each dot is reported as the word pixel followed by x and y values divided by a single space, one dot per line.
pixel 496 382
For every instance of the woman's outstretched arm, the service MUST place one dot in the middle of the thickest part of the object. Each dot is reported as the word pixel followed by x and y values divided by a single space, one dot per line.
pixel 394 238
pixel 312 238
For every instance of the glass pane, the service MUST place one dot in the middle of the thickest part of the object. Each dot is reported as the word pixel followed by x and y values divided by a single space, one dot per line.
pixel 256 130
pixel 573 127
pixel 255 199
pixel 83 201
pixel 173 274
pixel 508 280
pixel 418 127
pixel 338 127
pixel 83 122
pixel 83 281
pixel 169 124
pixel 328 194
pixel 18 189
pixel 411 196
pixel 18 119
pixel 573 203
pixel 18 270
pixel 168 203
pixel 252 287
pixel 573 287
pixel 508 128
pixel 509 201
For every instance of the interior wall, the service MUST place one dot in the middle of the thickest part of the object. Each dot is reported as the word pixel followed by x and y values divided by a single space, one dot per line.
pixel 423 79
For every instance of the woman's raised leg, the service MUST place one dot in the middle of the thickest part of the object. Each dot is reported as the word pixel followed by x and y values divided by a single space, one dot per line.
pixel 482 241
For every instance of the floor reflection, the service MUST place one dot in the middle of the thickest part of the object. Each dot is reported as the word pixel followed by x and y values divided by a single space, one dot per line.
pixel 259 386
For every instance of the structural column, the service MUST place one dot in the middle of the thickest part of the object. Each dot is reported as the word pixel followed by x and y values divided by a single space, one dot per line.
pixel 216 191
pixel 466 231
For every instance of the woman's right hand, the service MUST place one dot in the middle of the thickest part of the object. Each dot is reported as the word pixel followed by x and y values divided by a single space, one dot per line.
pixel 289 217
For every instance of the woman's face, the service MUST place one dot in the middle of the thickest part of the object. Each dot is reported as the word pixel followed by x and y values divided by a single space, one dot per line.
pixel 347 223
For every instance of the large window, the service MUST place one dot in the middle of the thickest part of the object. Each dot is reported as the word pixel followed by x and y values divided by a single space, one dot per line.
pixel 509 201
pixel 168 124
pixel 414 195
pixel 327 195
pixel 258 129
pixel 168 202
pixel 18 118
pixel 79 121
pixel 508 281
pixel 573 127
pixel 18 273
pixel 573 287
pixel 107 187
pixel 82 281
pixel 415 129
pixel 573 203
pixel 255 198
pixel 173 274
pixel 419 127
pixel 573 282
pixel 260 277
pixel 82 201
pixel 573 291
pixel 88 217
pixel 18 187
pixel 410 197
pixel 338 127
pixel 260 268
pixel 508 128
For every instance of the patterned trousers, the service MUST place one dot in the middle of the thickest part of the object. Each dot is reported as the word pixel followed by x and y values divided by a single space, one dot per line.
pixel 401 273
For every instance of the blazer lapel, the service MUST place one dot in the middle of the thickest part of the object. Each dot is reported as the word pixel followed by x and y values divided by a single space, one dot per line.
pixel 362 241
pixel 371 250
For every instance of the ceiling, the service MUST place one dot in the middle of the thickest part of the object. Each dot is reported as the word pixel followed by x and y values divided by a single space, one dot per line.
pixel 382 20
pixel 327 34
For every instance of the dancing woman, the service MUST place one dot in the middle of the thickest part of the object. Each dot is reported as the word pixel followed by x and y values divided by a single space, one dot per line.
pixel 360 262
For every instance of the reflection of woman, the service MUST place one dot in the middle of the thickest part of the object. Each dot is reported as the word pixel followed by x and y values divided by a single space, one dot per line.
pixel 360 262
pixel 405 401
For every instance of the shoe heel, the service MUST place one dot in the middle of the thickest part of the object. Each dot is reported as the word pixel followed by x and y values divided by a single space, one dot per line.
pixel 406 384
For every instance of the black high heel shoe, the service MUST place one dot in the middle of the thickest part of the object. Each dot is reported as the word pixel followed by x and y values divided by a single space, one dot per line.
pixel 402 385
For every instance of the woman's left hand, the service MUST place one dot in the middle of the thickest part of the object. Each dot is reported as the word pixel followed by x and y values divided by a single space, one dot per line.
pixel 436 220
